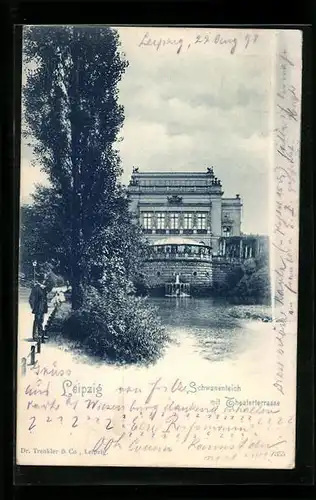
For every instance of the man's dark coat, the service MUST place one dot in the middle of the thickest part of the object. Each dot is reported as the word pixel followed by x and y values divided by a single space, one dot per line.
pixel 38 300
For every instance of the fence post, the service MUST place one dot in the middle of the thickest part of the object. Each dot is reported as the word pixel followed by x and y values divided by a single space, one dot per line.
pixel 33 355
pixel 23 365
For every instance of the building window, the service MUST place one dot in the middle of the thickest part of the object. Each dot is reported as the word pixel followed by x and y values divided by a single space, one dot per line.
pixel 158 274
pixel 147 220
pixel 160 221
pixel 174 218
pixel 194 274
pixel 201 221
pixel 187 221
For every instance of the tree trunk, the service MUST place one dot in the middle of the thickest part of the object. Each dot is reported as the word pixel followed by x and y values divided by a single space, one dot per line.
pixel 76 296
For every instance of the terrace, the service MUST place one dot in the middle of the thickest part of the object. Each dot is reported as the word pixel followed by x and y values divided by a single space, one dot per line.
pixel 179 249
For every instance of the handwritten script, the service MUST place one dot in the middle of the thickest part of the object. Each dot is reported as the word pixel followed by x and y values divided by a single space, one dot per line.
pixel 159 417
pixel 206 38
pixel 285 233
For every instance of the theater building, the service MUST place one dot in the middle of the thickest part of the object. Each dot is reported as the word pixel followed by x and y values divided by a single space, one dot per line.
pixel 190 204
pixel 190 225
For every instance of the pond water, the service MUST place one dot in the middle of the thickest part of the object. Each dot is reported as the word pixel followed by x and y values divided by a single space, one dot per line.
pixel 214 334
pixel 203 329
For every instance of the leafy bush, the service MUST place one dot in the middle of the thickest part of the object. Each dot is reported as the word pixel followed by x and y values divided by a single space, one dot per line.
pixel 201 291
pixel 54 280
pixel 248 283
pixel 234 277
pixel 253 287
pixel 124 329
pixel 141 286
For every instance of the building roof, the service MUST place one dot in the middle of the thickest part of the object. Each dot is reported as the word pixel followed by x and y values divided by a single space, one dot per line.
pixel 139 178
pixel 208 173
pixel 149 173
pixel 177 240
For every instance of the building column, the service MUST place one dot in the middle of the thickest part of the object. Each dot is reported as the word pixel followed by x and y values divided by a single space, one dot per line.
pixel 209 222
pixel 216 217
pixel 224 247
pixel 257 247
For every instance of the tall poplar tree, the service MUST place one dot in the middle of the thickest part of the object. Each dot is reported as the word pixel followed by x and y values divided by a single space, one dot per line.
pixel 72 118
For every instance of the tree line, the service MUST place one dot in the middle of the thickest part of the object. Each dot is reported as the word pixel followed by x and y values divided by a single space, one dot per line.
pixel 80 222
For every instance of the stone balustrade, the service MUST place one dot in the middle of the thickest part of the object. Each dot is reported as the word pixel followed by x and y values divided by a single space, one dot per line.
pixel 158 256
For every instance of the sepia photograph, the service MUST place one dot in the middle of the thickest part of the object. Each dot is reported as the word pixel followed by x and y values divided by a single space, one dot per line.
pixel 158 248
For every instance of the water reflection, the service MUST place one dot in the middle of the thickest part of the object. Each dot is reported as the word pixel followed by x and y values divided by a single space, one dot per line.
pixel 215 335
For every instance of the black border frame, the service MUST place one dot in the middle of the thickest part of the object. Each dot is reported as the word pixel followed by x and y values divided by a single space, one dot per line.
pixel 257 480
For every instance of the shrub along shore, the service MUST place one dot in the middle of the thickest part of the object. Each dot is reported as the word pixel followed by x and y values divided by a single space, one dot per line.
pixel 133 335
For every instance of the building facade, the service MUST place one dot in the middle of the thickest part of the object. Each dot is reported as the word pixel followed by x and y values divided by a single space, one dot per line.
pixel 189 204
pixel 194 232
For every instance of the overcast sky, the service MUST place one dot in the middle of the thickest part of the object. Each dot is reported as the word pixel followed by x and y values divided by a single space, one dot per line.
pixel 202 107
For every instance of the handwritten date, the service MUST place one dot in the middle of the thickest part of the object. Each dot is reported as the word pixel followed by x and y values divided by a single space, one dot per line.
pixel 180 44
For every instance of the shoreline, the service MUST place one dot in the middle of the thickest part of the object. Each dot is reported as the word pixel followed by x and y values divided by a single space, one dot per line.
pixel 251 312
pixel 243 313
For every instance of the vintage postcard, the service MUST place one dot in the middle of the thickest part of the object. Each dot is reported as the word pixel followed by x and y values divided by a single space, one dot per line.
pixel 158 278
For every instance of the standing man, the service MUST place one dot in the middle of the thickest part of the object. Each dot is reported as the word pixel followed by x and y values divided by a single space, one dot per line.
pixel 39 306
